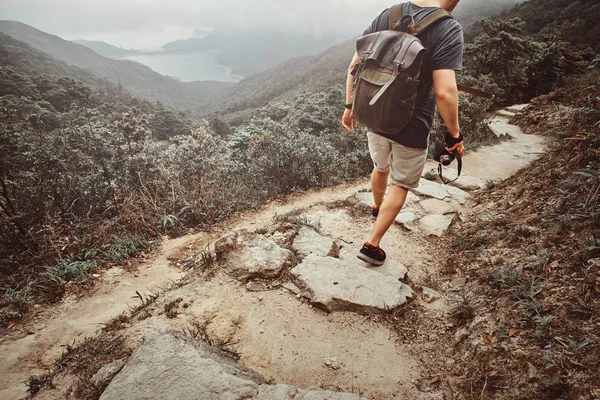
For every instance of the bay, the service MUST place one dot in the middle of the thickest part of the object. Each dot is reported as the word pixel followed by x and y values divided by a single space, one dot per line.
pixel 186 66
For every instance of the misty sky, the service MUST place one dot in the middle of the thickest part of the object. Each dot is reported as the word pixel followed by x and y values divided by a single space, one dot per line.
pixel 148 24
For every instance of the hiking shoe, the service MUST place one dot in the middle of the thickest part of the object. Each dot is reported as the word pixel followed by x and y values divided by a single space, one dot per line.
pixel 374 213
pixel 372 255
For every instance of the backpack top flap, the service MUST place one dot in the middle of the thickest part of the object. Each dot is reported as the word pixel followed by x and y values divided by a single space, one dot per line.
pixel 392 50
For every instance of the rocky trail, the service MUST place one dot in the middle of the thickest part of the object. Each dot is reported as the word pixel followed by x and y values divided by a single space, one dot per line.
pixel 280 290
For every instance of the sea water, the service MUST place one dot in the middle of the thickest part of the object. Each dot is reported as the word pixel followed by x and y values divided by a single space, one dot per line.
pixel 186 66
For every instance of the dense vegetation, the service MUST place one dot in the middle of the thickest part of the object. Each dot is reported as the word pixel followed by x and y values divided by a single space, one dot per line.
pixel 531 256
pixel 90 176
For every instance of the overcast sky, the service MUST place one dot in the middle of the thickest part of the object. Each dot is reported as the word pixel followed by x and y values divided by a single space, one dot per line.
pixel 145 24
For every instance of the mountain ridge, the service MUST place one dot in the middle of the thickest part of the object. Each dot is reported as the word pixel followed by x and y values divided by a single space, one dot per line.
pixel 135 77
pixel 105 49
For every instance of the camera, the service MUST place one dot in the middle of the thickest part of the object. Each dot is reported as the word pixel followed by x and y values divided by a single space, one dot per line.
pixel 444 158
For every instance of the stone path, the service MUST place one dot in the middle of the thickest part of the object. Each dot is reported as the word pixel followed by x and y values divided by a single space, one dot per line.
pixel 276 291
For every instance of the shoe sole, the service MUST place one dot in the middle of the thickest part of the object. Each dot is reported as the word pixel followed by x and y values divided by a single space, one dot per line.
pixel 370 260
pixel 374 218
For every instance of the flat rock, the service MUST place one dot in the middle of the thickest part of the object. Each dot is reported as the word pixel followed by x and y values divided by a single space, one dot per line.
pixel 431 189
pixel 506 113
pixel 465 182
pixel 337 285
pixel 251 256
pixel 407 219
pixel 435 225
pixel 177 367
pixel 458 194
pixel 517 107
pixel 438 207
pixel 365 198
pixel 308 241
pixel 391 267
pixel 172 366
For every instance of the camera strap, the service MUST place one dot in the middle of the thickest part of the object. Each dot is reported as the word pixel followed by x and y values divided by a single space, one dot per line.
pixel 441 168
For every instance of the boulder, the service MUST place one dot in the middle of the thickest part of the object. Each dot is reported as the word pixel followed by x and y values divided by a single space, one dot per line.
pixel 174 366
pixel 337 285
pixel 177 367
pixel 251 256
pixel 308 241
pixel 435 225
pixel 105 373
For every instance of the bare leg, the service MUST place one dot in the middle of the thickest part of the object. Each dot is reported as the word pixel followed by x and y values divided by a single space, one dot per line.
pixel 387 214
pixel 379 182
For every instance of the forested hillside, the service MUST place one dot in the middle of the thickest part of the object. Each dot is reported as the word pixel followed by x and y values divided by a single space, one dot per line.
pixel 134 77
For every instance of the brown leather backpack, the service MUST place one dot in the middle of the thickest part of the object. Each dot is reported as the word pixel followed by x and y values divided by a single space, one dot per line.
pixel 387 78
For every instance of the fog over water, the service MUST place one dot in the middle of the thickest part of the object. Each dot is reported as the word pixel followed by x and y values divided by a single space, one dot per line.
pixel 148 24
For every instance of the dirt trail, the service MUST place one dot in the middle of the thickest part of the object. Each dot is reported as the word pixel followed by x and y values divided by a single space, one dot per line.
pixel 275 331
pixel 501 161
pixel 39 342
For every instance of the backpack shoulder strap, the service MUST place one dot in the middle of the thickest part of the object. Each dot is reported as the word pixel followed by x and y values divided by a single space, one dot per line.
pixel 395 15
pixel 431 19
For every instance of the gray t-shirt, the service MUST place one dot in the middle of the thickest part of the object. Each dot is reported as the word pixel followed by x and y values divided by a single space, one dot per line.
pixel 444 43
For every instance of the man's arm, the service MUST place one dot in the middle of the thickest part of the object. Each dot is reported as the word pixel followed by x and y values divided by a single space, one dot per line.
pixel 446 96
pixel 350 123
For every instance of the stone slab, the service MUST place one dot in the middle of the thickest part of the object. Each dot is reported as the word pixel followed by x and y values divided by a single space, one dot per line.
pixel 249 255
pixel 438 207
pixel 391 267
pixel 174 366
pixel 407 219
pixel 506 113
pixel 517 107
pixel 435 225
pixel 336 285
pixel 431 189
pixel 308 241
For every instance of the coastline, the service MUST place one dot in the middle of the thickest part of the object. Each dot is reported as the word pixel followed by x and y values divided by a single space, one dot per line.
pixel 214 55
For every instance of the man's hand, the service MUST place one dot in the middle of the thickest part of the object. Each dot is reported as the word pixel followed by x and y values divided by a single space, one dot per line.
pixel 348 121
pixel 460 147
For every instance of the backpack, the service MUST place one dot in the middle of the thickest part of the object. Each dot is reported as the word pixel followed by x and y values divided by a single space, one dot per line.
pixel 387 78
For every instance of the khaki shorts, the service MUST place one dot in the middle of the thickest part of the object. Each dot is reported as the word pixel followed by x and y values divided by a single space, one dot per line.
pixel 404 163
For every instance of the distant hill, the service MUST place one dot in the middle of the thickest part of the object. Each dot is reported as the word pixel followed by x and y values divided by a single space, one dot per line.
pixel 195 43
pixel 30 61
pixel 304 74
pixel 105 49
pixel 134 77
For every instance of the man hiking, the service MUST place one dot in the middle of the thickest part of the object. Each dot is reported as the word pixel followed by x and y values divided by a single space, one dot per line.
pixel 402 156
